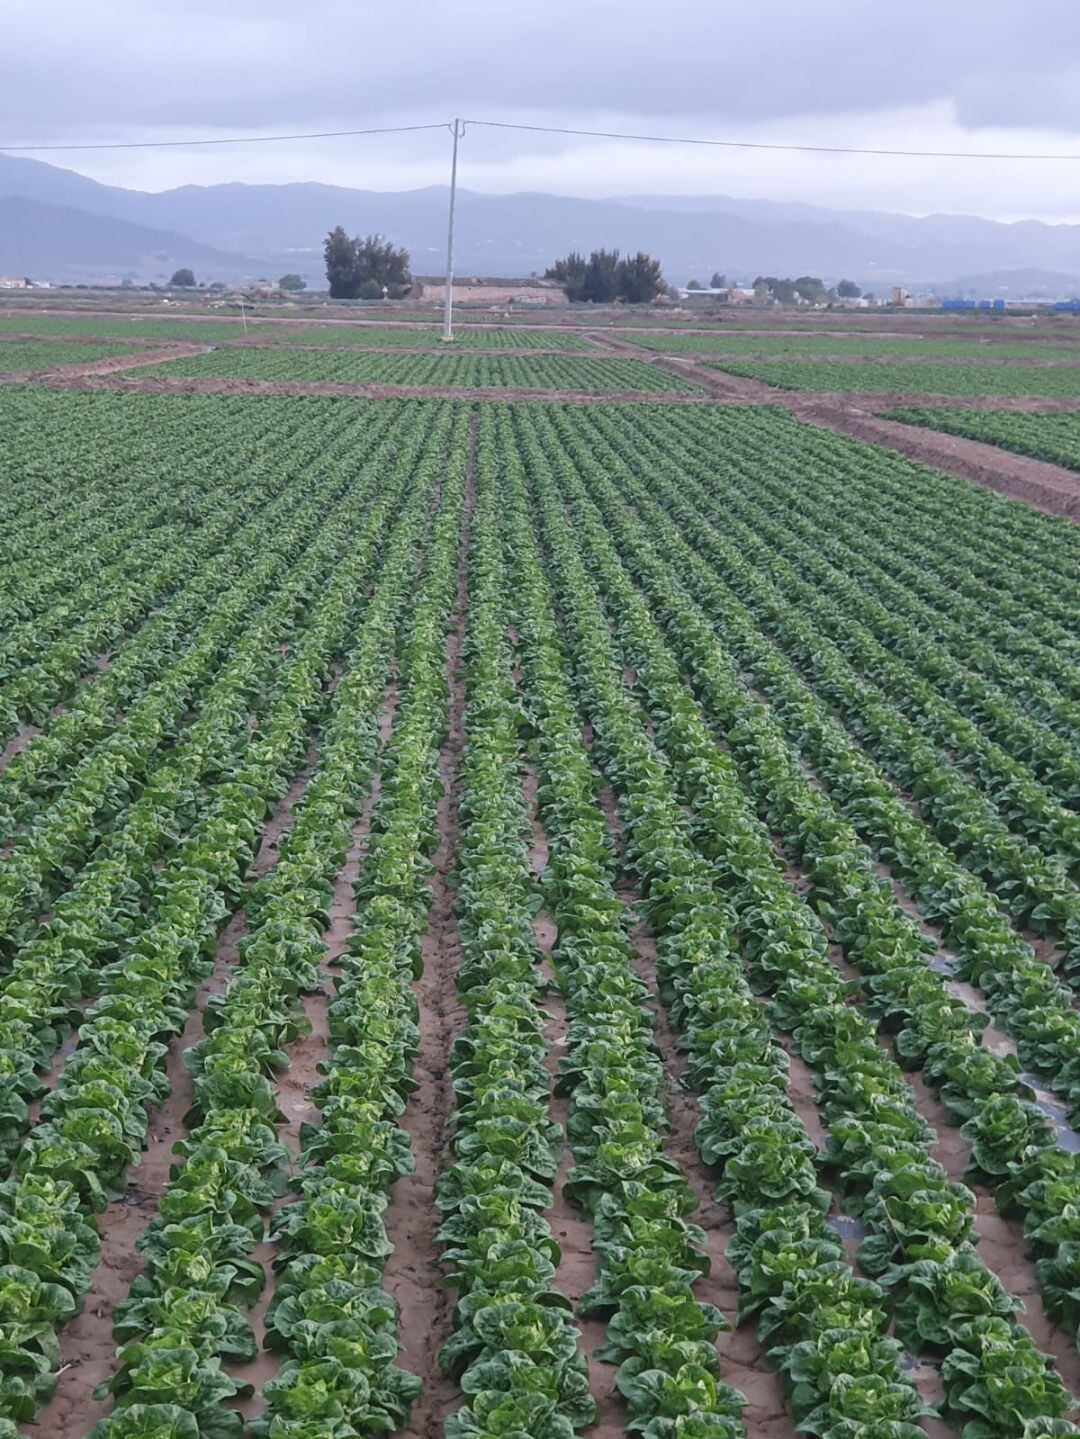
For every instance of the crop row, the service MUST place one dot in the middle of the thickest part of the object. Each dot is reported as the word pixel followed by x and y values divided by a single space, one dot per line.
pixel 18 356
pixel 1015 1140
pixel 1054 438
pixel 97 1112
pixel 293 333
pixel 721 341
pixel 1022 993
pixel 990 603
pixel 188 1302
pixel 849 377
pixel 232 658
pixel 634 610
pixel 135 473
pixel 945 1299
pixel 539 372
pixel 988 832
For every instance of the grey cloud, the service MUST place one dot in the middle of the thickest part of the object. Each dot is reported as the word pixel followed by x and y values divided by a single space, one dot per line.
pixel 123 66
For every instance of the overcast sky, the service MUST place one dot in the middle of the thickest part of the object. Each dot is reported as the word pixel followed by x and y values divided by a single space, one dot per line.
pixel 997 75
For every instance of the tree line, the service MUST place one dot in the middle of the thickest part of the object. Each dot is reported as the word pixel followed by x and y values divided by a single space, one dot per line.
pixel 811 289
pixel 607 276
pixel 371 267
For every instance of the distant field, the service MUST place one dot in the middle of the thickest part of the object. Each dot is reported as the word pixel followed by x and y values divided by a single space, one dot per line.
pixel 541 372
pixel 720 342
pixel 840 377
pixel 42 355
pixel 212 331
pixel 1055 438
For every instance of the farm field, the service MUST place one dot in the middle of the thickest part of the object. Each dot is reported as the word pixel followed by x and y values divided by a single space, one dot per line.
pixel 1055 438
pixel 721 341
pixel 543 372
pixel 529 919
pixel 840 376
pixel 18 355
pixel 269 333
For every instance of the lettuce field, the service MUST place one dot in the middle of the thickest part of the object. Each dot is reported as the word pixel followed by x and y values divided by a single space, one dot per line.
pixel 1054 438
pixel 538 372
pixel 530 919
pixel 289 332
pixel 899 377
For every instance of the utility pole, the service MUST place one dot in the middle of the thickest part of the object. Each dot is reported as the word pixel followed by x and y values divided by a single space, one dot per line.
pixel 448 300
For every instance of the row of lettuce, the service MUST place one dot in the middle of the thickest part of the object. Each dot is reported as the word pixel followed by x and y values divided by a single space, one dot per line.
pixel 1054 438
pixel 134 796
pixel 139 936
pixel 931 1281
pixel 1014 1147
pixel 590 373
pixel 89 564
pixel 578 516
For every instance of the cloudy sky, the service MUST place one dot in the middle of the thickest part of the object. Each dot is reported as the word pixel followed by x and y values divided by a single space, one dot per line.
pixel 986 75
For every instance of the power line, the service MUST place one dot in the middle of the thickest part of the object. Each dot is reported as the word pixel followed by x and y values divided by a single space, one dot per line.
pixel 229 139
pixel 540 130
pixel 763 145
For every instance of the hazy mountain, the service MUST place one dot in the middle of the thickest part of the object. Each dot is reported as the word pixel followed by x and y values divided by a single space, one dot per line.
pixel 280 227
pixel 58 242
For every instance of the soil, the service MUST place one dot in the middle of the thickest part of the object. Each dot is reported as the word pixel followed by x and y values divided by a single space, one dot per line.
pixel 411 1273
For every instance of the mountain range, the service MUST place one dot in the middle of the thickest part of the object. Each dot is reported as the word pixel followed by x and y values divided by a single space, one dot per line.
pixel 60 226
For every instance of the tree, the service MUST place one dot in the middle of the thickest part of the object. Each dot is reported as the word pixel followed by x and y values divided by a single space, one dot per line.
pixel 718 281
pixel 694 285
pixel 570 273
pixel 848 290
pixel 639 279
pixel 810 288
pixel 294 283
pixel 185 279
pixel 365 268
pixel 605 277
pixel 340 255
pixel 602 277
pixel 380 268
